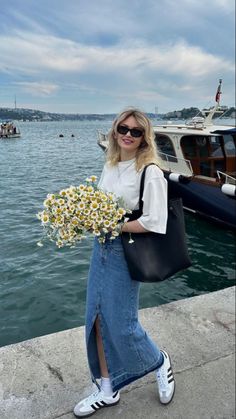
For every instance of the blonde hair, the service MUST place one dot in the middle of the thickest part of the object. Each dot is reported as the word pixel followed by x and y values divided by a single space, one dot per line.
pixel 146 153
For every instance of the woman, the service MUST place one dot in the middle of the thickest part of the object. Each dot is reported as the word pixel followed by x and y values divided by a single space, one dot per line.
pixel 119 350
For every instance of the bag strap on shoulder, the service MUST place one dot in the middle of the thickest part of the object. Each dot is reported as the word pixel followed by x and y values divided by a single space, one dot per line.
pixel 142 181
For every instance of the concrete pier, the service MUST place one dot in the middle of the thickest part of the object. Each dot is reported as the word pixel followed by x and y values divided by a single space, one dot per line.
pixel 44 378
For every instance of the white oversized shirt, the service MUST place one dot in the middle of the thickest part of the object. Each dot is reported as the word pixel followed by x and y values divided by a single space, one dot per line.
pixel 124 181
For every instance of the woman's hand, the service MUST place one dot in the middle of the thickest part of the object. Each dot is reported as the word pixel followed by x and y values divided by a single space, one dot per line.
pixel 133 227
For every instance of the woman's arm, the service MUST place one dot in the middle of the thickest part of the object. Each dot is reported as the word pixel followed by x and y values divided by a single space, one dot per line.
pixel 154 217
pixel 155 208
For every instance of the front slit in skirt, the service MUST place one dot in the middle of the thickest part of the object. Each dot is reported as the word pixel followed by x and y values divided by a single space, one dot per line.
pixel 113 297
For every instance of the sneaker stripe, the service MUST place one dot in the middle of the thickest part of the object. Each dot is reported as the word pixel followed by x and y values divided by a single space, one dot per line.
pixel 165 380
pixel 95 402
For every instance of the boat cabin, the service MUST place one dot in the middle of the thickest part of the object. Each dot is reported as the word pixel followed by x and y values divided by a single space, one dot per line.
pixel 206 153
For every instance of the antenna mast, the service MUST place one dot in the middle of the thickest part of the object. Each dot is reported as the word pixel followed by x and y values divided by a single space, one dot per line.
pixel 208 119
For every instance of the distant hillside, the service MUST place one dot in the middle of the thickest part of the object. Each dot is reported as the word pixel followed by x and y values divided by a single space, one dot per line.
pixel 21 114
pixel 188 113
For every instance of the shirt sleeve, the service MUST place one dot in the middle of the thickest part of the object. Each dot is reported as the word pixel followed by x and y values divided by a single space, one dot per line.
pixel 155 213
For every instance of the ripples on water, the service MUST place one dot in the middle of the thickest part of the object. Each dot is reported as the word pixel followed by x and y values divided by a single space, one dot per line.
pixel 42 290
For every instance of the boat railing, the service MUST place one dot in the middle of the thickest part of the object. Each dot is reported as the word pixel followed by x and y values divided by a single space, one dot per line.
pixel 226 178
pixel 167 161
pixel 175 164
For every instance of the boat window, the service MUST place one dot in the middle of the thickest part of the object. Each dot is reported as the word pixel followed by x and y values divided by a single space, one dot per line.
pixel 165 145
pixel 205 153
pixel 188 144
pixel 229 142
pixel 202 144
pixel 216 149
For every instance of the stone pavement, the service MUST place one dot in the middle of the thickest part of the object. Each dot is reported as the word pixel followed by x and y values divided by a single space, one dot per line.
pixel 43 378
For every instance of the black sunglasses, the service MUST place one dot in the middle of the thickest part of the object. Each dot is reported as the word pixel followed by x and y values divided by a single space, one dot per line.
pixel 134 132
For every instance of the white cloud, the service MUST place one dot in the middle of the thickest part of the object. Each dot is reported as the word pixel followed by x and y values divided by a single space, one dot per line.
pixel 38 88
pixel 32 54
pixel 182 58
pixel 197 6
pixel 120 52
pixel 227 5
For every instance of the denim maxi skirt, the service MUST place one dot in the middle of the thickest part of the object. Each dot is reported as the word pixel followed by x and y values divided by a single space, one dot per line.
pixel 113 297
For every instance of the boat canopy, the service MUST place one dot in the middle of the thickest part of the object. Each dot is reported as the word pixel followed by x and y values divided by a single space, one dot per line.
pixel 225 131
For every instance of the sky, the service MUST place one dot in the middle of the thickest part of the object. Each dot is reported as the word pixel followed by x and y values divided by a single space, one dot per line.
pixel 100 56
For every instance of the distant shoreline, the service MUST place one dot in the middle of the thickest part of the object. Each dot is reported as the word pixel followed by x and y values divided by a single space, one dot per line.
pixel 22 114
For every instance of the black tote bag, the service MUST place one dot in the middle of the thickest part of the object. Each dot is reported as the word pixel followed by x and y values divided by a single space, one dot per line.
pixel 153 257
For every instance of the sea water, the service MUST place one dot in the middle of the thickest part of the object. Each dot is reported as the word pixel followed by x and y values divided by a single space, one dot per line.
pixel 43 289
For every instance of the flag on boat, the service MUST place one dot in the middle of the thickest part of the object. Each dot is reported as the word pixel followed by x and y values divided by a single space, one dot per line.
pixel 218 92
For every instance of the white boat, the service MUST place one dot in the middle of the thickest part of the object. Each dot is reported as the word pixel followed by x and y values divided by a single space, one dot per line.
pixel 9 130
pixel 198 159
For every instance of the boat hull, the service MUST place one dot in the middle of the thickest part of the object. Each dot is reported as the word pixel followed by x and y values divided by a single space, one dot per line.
pixel 11 136
pixel 205 200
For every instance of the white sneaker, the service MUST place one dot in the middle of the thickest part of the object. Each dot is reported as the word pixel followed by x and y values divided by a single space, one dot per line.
pixel 165 380
pixel 94 402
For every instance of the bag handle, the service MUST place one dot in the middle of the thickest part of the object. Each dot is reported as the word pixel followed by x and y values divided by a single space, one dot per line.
pixel 142 186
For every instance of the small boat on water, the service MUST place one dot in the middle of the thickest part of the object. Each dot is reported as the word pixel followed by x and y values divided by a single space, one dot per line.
pixel 9 130
pixel 198 159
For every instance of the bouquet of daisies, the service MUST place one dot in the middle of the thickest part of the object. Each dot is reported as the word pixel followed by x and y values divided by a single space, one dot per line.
pixel 73 212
